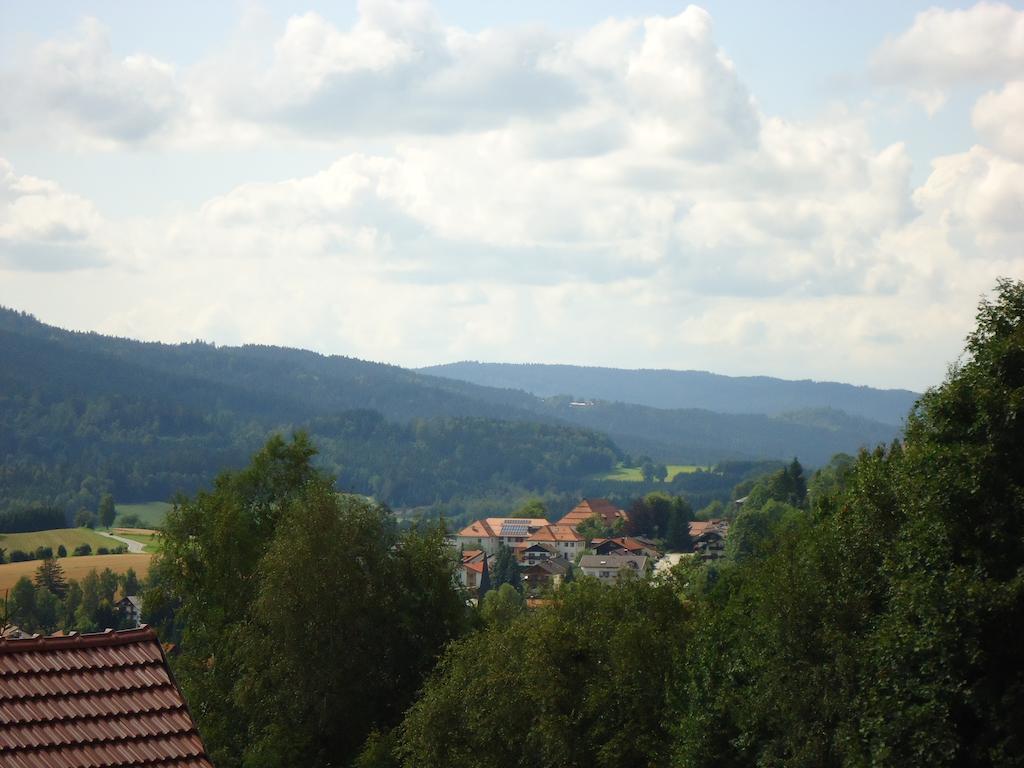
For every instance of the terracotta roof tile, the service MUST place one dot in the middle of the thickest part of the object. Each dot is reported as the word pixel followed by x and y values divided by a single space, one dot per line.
pixel 93 701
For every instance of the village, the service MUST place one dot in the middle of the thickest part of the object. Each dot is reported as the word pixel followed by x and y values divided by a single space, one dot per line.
pixel 548 554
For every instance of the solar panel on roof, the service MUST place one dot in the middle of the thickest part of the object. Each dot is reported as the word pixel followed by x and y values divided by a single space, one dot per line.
pixel 515 528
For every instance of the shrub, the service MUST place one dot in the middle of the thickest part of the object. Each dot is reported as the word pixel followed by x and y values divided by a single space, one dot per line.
pixel 130 520
pixel 102 551
pixel 83 549
pixel 62 551
pixel 17 556
pixel 44 553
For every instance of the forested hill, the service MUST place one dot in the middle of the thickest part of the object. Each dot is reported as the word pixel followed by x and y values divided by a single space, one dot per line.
pixel 82 414
pixel 686 389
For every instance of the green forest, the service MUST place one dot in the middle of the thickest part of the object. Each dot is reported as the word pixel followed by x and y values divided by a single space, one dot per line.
pixel 83 414
pixel 868 615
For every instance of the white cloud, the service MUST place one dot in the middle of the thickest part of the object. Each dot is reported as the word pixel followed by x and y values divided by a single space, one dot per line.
pixel 76 92
pixel 610 196
pixel 946 47
pixel 998 117
pixel 43 228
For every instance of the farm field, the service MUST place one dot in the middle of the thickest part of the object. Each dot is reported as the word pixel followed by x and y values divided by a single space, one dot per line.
pixel 150 513
pixel 76 567
pixel 634 475
pixel 145 536
pixel 69 537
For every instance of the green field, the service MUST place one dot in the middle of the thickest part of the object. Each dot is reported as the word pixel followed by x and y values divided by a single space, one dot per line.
pixel 69 537
pixel 150 541
pixel 634 475
pixel 150 513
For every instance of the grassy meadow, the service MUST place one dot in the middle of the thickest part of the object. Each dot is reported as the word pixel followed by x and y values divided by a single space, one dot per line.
pixel 150 513
pixel 146 537
pixel 634 475
pixel 75 567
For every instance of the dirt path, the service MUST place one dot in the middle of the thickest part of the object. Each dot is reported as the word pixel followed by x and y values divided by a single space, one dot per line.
pixel 134 547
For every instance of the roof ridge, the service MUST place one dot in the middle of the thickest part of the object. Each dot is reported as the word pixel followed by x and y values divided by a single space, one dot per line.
pixel 106 639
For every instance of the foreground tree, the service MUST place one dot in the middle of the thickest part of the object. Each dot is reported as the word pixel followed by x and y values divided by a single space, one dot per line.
pixel 883 627
pixel 309 621
pixel 582 683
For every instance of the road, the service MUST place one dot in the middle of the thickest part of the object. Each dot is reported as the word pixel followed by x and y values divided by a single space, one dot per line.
pixel 134 547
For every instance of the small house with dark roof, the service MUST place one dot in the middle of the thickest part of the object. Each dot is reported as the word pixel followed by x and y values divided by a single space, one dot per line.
pixel 82 701
pixel 606 568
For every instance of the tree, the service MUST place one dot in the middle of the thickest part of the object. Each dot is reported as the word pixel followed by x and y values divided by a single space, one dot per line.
pixel 533 508
pixel 62 551
pixel 660 472
pixel 485 581
pixel 506 570
pixel 582 683
pixel 130 582
pixel 50 576
pixel 502 605
pixel 106 512
pixel 22 604
pixel 338 649
pixel 85 519
pixel 308 620
pixel 677 529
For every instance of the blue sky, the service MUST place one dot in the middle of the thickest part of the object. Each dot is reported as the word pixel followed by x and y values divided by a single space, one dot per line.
pixel 806 190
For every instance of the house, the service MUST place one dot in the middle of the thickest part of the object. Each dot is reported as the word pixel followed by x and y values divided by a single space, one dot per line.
pixel 709 538
pixel 493 532
pixel 625 545
pixel 105 699
pixel 529 553
pixel 606 568
pixel 604 509
pixel 563 538
pixel 471 568
pixel 544 573
pixel 130 606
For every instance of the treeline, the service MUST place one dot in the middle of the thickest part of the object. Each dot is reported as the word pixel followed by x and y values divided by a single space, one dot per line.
pixel 31 519
pixel 49 602
pixel 868 615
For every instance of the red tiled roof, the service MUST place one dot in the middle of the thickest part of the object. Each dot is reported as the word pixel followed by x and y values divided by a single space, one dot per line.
pixel 556 533
pixel 93 701
pixel 587 508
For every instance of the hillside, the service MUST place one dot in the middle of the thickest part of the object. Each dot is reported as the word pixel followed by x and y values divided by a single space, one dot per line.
pixel 685 389
pixel 82 413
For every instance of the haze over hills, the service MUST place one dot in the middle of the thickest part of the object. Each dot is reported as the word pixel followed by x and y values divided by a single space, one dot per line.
pixel 82 413
pixel 685 389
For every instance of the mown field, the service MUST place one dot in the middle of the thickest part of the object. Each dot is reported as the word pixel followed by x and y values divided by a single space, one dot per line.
pixel 150 513
pixel 146 537
pixel 75 567
pixel 634 475
pixel 69 537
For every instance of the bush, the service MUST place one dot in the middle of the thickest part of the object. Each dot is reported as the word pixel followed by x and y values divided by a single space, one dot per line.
pixel 120 549
pixel 62 551
pixel 83 549
pixel 102 551
pixel 44 553
pixel 17 556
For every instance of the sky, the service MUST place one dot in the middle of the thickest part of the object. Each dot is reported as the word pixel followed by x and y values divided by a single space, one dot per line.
pixel 796 189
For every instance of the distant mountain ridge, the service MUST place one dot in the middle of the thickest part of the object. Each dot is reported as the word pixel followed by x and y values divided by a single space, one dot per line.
pixel 82 413
pixel 669 389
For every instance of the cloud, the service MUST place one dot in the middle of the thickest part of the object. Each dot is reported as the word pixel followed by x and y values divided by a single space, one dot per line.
pixel 998 117
pixel 75 91
pixel 396 70
pixel 945 48
pixel 43 228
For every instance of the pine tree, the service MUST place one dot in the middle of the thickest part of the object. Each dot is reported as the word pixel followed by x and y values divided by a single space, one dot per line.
pixel 485 582
pixel 50 576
